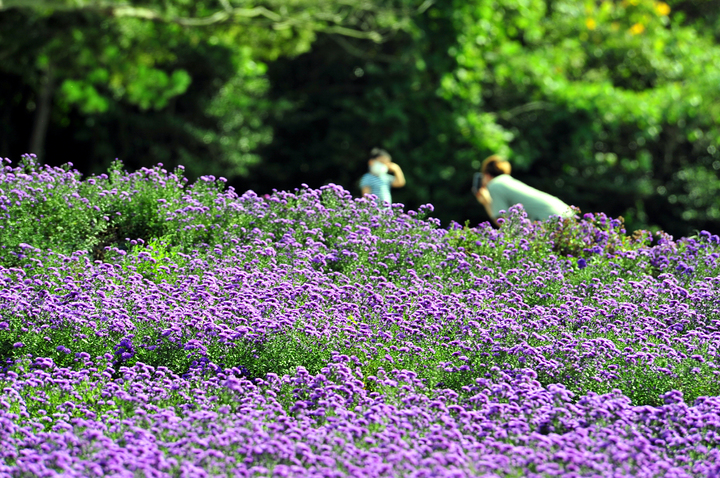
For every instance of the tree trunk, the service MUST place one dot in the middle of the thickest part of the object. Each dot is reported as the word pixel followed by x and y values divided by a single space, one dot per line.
pixel 42 114
pixel 6 120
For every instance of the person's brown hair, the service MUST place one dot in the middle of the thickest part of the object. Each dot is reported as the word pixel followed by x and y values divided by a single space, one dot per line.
pixel 378 152
pixel 495 166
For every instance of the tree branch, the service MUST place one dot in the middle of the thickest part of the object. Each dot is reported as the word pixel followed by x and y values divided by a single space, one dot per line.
pixel 354 51
pixel 226 5
pixel 42 113
pixel 217 17
pixel 227 14
pixel 349 32
pixel 532 106
pixel 425 5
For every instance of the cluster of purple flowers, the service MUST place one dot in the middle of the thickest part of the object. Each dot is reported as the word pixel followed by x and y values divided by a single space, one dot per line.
pixel 151 422
pixel 313 334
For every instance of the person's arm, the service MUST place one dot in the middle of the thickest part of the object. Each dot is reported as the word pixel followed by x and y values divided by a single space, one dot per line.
pixel 399 176
pixel 484 198
pixel 365 187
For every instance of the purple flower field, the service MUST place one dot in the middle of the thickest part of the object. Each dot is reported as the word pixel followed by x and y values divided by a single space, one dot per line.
pixel 151 328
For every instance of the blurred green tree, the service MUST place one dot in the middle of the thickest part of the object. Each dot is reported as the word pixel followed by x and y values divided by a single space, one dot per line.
pixel 345 96
pixel 611 105
pixel 167 81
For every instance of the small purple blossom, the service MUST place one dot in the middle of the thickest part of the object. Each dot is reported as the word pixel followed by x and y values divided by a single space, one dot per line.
pixel 308 333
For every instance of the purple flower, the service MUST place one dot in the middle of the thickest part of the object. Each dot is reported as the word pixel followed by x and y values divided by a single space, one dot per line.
pixel 124 350
pixel 394 354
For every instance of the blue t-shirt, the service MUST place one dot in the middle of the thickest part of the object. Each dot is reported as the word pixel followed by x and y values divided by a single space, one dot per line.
pixel 379 186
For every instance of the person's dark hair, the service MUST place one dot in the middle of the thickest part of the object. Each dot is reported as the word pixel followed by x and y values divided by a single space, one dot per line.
pixel 495 166
pixel 378 152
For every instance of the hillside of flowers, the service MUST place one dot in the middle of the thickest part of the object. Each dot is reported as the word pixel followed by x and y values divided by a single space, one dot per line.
pixel 154 328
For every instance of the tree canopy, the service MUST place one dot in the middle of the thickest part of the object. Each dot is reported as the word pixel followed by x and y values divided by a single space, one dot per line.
pixel 610 105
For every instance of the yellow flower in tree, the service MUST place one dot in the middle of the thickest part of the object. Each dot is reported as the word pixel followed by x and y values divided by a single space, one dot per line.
pixel 637 29
pixel 662 8
pixel 590 23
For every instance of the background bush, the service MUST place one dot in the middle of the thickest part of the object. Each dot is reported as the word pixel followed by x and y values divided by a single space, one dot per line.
pixel 607 105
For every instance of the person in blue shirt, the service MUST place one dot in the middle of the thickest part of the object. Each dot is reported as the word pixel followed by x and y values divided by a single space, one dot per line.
pixel 378 179
pixel 499 191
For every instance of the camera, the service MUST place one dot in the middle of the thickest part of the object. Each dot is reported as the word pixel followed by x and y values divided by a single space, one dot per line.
pixel 477 182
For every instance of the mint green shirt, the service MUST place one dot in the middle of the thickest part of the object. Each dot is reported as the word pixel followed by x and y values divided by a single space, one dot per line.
pixel 506 191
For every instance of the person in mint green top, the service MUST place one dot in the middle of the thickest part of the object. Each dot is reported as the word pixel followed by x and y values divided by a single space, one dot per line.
pixel 499 191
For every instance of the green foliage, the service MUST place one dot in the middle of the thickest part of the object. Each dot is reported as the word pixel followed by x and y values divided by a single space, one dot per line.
pixel 158 260
pixel 607 105
pixel 103 213
pixel 174 81
pixel 57 216
pixel 599 104
pixel 345 97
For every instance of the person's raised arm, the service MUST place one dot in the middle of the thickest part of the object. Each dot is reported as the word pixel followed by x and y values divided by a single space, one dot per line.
pixel 399 176
pixel 484 198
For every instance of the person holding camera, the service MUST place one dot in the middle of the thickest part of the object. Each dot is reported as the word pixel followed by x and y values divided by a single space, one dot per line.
pixel 498 191
pixel 377 180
